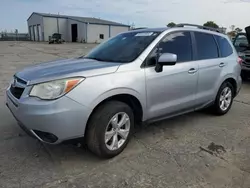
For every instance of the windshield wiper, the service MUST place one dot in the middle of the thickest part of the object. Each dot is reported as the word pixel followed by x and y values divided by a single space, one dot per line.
pixel 95 58
pixel 98 59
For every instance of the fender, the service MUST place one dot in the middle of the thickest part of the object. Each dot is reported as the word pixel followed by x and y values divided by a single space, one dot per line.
pixel 120 91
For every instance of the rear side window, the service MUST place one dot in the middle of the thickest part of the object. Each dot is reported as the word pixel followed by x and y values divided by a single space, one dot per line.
pixel 225 47
pixel 206 46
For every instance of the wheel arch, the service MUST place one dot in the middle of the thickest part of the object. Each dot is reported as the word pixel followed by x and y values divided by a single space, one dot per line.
pixel 129 97
pixel 232 80
pixel 234 84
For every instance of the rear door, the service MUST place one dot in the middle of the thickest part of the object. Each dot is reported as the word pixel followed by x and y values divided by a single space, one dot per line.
pixel 210 66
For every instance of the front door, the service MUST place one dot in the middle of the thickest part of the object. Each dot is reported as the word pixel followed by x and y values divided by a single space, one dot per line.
pixel 173 90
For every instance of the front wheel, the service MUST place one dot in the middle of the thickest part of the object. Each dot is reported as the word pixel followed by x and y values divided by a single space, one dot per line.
pixel 224 99
pixel 110 128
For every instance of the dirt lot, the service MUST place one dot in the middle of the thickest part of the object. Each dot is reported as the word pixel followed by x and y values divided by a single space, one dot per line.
pixel 172 153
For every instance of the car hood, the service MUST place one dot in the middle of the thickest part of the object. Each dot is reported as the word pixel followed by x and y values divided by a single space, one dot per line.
pixel 247 29
pixel 66 68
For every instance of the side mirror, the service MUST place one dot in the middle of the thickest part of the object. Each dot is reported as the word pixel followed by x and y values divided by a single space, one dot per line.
pixel 243 45
pixel 165 59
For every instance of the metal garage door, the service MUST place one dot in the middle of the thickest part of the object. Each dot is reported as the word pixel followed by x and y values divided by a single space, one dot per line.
pixel 35 33
pixel 39 30
pixel 31 32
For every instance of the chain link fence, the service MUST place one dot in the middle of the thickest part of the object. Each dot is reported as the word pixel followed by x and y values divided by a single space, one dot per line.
pixel 14 37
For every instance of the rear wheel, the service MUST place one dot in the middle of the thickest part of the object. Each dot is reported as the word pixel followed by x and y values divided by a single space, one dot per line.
pixel 224 99
pixel 110 128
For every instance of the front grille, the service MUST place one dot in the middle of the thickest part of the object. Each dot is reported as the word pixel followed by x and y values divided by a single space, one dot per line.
pixel 20 80
pixel 247 61
pixel 16 91
pixel 17 87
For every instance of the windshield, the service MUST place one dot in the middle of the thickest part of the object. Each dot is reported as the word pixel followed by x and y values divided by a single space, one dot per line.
pixel 124 48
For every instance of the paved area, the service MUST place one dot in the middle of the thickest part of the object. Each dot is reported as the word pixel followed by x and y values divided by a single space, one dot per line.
pixel 193 150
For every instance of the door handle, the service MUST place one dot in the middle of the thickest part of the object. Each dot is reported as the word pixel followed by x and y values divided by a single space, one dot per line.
pixel 222 64
pixel 192 71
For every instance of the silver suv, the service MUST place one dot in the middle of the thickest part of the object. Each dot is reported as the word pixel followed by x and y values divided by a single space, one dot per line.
pixel 138 76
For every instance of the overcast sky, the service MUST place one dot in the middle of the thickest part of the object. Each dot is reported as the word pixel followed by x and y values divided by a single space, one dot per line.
pixel 149 13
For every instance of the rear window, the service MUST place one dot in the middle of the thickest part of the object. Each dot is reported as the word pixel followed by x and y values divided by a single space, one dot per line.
pixel 224 46
pixel 206 46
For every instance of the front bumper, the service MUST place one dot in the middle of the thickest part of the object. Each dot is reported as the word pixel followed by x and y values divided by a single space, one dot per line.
pixel 60 119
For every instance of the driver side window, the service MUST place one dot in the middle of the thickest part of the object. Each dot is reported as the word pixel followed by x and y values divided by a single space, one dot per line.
pixel 178 43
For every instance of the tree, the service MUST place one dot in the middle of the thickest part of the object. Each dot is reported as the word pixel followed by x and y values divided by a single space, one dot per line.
pixel 171 24
pixel 211 24
pixel 231 33
pixel 238 30
pixel 223 30
pixel 132 26
pixel 232 27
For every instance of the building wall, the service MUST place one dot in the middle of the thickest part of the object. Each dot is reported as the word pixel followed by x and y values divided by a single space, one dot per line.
pixel 115 30
pixel 63 28
pixel 40 28
pixel 94 31
pixel 81 31
pixel 33 25
pixel 50 27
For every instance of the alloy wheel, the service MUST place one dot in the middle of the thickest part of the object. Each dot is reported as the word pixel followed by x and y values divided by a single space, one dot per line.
pixel 117 131
pixel 225 98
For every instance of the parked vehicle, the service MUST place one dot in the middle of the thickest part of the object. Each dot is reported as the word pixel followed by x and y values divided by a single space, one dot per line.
pixel 56 39
pixel 136 77
pixel 241 44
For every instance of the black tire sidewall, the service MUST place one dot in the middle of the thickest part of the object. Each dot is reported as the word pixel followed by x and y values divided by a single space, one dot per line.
pixel 109 110
pixel 218 110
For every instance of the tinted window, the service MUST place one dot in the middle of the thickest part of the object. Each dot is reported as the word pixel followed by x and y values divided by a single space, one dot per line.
pixel 178 43
pixel 225 47
pixel 125 47
pixel 240 39
pixel 206 46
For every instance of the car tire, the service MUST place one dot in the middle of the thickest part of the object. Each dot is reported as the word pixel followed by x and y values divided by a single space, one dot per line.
pixel 105 122
pixel 224 96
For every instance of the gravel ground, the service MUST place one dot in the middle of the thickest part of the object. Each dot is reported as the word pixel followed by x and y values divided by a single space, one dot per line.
pixel 193 150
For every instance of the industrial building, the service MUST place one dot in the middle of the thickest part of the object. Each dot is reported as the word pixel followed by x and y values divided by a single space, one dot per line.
pixel 73 29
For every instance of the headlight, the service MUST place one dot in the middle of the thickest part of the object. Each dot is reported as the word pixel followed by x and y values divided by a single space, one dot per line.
pixel 54 89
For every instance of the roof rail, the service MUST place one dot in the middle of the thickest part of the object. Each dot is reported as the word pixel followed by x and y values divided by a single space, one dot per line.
pixel 200 27
pixel 139 28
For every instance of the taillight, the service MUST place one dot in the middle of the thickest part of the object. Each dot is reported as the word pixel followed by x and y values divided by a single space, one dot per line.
pixel 240 60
